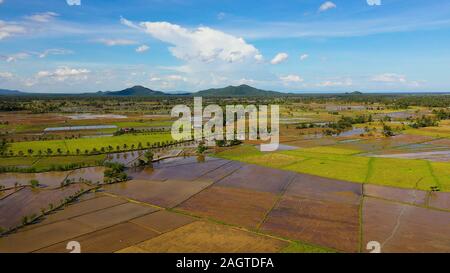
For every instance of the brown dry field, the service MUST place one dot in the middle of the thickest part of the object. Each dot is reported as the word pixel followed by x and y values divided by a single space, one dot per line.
pixel 253 177
pixel 222 172
pixel 165 194
pixel 40 237
pixel 47 179
pixel 113 215
pixel 403 195
pixel 331 224
pixel 205 237
pixel 163 221
pixel 235 206
pixel 440 200
pixel 107 240
pixel 314 187
pixel 28 201
pixel 405 228
pixel 79 208
pixel 26 118
pixel 185 171
pixel 94 174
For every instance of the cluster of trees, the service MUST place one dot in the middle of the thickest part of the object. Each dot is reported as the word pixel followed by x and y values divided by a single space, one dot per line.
pixel 346 123
pixel 441 114
pixel 123 131
pixel 93 151
pixel 424 121
pixel 114 172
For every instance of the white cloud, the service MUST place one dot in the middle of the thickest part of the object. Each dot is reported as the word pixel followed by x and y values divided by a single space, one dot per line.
pixel 259 58
pixel 336 83
pixel 291 78
pixel 54 51
pixel 304 57
pixel 142 48
pixel 176 78
pixel 74 2
pixel 43 17
pixel 117 42
pixel 279 58
pixel 203 44
pixel 63 73
pixel 9 29
pixel 221 15
pixel 326 6
pixel 15 57
pixel 6 75
pixel 389 78
pixel 374 2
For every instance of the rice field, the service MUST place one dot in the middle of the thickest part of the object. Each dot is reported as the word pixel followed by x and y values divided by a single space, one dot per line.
pixel 89 144
pixel 339 164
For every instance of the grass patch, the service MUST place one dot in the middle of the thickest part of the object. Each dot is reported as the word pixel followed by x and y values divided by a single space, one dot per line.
pixel 441 171
pixel 47 162
pixel 402 173
pixel 297 247
pixel 17 161
pixel 89 143
pixel 332 150
pixel 240 152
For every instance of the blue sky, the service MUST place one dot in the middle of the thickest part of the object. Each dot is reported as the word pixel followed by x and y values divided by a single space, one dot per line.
pixel 180 45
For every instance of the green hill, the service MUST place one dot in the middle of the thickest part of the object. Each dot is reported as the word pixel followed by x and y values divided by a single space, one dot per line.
pixel 137 90
pixel 234 91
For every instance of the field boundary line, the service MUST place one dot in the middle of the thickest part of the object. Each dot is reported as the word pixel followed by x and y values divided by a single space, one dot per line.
pixel 277 201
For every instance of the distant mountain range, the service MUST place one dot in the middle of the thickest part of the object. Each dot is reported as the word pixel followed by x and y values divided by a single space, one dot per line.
pixel 11 92
pixel 141 91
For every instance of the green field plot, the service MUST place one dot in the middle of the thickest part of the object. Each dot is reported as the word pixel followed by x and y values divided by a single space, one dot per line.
pixel 443 131
pixel 441 171
pixel 241 152
pixel 140 124
pixel 401 173
pixel 297 247
pixel 47 162
pixel 332 150
pixel 17 161
pixel 89 144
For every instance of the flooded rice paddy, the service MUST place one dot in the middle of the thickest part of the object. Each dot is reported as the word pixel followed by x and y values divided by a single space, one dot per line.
pixel 278 203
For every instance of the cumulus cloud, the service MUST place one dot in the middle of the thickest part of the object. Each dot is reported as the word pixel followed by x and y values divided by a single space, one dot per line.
pixel 279 58
pixel 304 57
pixel 389 78
pixel 336 83
pixel 374 2
pixel 42 17
pixel 221 15
pixel 6 75
pixel 326 6
pixel 9 29
pixel 54 51
pixel 63 73
pixel 73 2
pixel 15 57
pixel 203 44
pixel 117 42
pixel 291 78
pixel 142 48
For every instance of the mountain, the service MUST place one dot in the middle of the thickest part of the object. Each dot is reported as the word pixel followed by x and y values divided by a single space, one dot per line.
pixel 7 92
pixel 236 91
pixel 136 91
